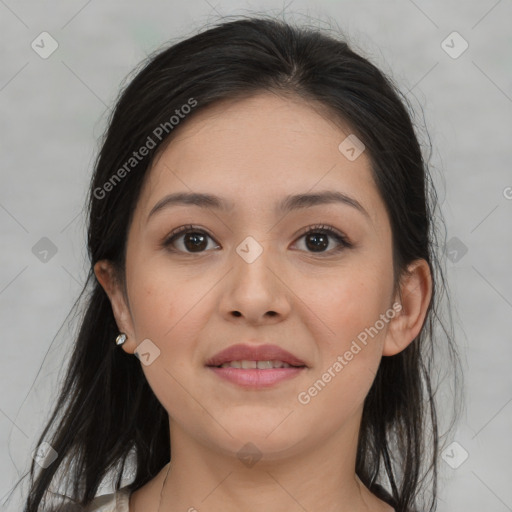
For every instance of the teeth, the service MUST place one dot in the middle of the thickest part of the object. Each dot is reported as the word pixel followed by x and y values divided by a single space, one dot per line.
pixel 261 365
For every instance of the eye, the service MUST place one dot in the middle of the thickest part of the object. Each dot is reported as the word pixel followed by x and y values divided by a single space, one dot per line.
pixel 317 239
pixel 195 240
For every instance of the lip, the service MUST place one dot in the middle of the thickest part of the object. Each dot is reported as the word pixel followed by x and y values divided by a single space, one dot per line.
pixel 241 352
pixel 254 378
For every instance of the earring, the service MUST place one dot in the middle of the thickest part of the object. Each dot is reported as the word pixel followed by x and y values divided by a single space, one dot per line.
pixel 121 338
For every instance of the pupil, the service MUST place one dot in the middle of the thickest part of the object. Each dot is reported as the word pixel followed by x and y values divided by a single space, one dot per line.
pixel 321 241
pixel 198 241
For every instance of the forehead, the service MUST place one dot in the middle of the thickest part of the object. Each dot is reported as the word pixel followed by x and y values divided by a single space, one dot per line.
pixel 257 150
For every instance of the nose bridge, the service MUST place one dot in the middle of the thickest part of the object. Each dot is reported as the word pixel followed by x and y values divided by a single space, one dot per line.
pixel 253 261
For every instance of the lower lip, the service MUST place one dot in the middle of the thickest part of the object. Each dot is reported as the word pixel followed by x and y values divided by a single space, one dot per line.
pixel 256 378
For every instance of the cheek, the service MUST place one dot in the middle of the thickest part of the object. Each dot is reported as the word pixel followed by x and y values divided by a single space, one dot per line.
pixel 349 344
pixel 354 308
pixel 170 311
pixel 355 312
pixel 351 302
pixel 162 301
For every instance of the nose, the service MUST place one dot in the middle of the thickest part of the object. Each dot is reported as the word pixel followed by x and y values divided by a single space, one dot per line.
pixel 255 289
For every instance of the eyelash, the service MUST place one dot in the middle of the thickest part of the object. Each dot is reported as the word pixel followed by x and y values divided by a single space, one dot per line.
pixel 318 228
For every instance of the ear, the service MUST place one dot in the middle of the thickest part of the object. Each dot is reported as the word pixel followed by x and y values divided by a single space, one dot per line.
pixel 414 294
pixel 107 277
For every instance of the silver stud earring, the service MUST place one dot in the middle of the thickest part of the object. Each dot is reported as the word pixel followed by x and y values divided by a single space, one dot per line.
pixel 121 338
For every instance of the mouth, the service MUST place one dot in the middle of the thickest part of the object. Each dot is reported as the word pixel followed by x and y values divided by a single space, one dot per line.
pixel 255 366
pixel 260 365
pixel 255 356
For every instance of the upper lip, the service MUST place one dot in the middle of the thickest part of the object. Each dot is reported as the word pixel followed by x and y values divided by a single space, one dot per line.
pixel 242 352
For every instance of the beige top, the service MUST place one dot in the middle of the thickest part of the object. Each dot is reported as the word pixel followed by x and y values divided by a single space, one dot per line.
pixel 117 501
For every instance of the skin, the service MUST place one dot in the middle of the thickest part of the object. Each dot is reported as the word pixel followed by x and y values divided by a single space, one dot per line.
pixel 254 152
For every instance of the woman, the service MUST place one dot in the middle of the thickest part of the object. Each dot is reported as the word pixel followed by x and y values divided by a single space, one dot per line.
pixel 259 331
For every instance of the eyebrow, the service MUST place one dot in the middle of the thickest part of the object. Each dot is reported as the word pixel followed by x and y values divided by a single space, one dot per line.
pixel 289 203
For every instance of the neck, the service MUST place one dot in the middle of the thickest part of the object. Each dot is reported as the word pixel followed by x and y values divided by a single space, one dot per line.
pixel 314 479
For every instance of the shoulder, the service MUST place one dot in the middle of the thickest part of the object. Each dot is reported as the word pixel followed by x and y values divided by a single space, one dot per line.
pixel 116 501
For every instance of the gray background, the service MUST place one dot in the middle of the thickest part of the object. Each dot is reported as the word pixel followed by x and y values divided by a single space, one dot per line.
pixel 53 110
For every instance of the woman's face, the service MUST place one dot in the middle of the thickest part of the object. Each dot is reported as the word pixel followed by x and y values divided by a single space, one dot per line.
pixel 251 275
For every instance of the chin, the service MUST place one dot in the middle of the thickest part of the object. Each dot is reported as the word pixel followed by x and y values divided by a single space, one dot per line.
pixel 268 441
